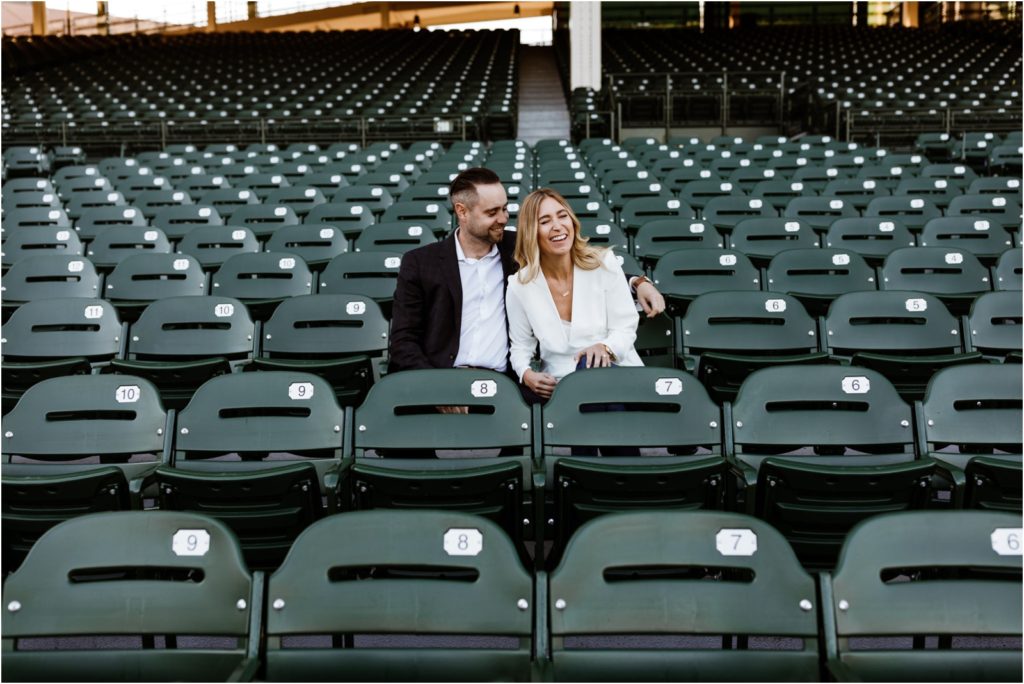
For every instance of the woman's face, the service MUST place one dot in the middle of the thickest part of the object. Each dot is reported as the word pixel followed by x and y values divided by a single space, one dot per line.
pixel 555 233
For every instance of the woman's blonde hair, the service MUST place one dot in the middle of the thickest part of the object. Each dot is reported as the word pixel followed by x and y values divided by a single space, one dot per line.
pixel 527 253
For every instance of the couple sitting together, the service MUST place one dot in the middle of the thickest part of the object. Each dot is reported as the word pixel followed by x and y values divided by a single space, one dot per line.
pixel 487 298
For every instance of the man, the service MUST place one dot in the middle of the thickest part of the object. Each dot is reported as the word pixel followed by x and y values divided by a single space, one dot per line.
pixel 449 306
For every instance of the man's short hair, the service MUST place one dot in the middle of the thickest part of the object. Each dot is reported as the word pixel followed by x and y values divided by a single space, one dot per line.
pixel 463 188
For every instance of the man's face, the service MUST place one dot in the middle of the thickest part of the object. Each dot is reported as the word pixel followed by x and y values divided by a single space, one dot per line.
pixel 486 219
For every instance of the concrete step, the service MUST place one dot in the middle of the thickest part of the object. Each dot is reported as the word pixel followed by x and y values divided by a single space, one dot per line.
pixel 543 111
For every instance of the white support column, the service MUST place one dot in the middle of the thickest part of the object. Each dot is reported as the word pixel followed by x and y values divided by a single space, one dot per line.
pixel 585 44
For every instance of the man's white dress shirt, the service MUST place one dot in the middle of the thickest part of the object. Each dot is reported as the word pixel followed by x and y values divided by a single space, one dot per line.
pixel 483 339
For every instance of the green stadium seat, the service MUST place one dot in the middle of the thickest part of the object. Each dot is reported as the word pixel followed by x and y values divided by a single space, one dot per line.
pixel 1007 274
pixel 229 458
pixel 398 421
pixel 47 276
pixel 1005 210
pixel 683 274
pixel 261 280
pixel 993 326
pixel 142 278
pixel 817 276
pixel 372 274
pixel 676 416
pixel 725 336
pixel 40 241
pixel 906 336
pixel 953 275
pixel 338 337
pixel 763 238
pixel 904 576
pixel 368 596
pixel 725 212
pixel 913 212
pixel 213 245
pixel 72 437
pixel 177 221
pixel 111 245
pixel 397 236
pixel 132 578
pixel 872 238
pixel 431 213
pixel 984 238
pixel 970 420
pixel 641 210
pixel 681 597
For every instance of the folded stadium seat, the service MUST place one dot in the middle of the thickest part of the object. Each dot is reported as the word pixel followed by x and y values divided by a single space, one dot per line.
pixel 762 238
pixel 872 238
pixel 856 192
pixel 819 212
pixel 227 200
pixel 213 245
pixel 132 186
pixel 957 574
pixel 91 222
pixel 113 244
pixel 338 337
pixel 578 191
pixel 79 205
pixel 1007 273
pixel 17 219
pixel 913 212
pixel 683 274
pixel 848 162
pixel 938 190
pixel 604 234
pixel 35 199
pixel 39 241
pixel 953 275
pixel 347 217
pixel 152 201
pixel 328 181
pixel 235 172
pixel 551 173
pixel 778 193
pixel 983 237
pixel 994 185
pixel 1006 158
pixel 725 336
pixel 371 274
pixel 75 445
pixel 24 162
pixel 958 174
pixel 83 187
pixel 389 177
pixel 179 220
pixel 422 193
pixel 179 343
pixel 116 613
pixel 595 210
pixel 907 336
pixel 656 238
pixel 196 184
pixel 261 280
pixel 613 178
pixel 623 193
pixel 66 155
pixel 263 184
pixel 725 212
pixel 676 179
pixel 377 607
pixel 376 197
pixel 47 276
pixel 68 173
pixel 264 219
pixel 697 193
pixel 886 175
pixel 824 447
pixel 690 578
pixel 597 410
pixel 749 176
pixel 641 210
pixel 30 185
pixel 816 178
pixel 397 236
pixel 229 460
pixel 974 147
pixel 815 277
pixel 936 146
pixel 970 420
pixel 787 165
pixel 398 422
pixel 993 326
pixel 1005 210
pixel 54 337
pixel 430 213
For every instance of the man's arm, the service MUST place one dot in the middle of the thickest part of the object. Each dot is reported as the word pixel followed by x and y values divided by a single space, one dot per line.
pixel 652 302
pixel 408 319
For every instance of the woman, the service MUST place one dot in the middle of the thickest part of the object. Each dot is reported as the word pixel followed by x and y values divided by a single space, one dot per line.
pixel 570 298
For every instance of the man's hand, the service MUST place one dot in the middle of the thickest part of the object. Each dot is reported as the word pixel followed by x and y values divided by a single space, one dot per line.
pixel 453 409
pixel 650 299
pixel 542 384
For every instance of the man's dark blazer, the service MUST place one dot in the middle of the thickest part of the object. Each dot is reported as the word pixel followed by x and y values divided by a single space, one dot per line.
pixel 426 316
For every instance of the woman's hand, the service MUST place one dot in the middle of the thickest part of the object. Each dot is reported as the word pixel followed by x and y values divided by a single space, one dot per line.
pixel 542 384
pixel 597 356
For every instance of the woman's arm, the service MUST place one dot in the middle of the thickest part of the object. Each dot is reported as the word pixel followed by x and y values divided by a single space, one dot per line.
pixel 620 309
pixel 522 341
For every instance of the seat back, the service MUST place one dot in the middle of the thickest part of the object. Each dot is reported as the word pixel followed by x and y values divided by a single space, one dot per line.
pixel 192 328
pixel 134 573
pixel 47 276
pixel 763 238
pixel 354 577
pixel 40 241
pixel 683 274
pixel 59 328
pixel 984 238
pixel 872 238
pixel 816 276
pixel 1008 271
pixel 963 569
pixel 994 324
pixel 116 243
pixel 890 322
pixel 373 274
pixel 688 577
pixel 213 245
pixel 325 326
pixel 261 276
pixel 725 212
pixel 913 212
pixel 399 236
pixel 936 270
pixel 819 212
pixel 317 244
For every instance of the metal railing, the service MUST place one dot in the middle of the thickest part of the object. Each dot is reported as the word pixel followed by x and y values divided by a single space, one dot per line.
pixel 713 92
